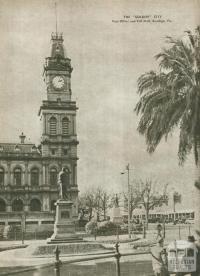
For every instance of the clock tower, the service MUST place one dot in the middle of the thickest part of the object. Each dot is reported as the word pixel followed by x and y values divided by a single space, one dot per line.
pixel 58 118
pixel 58 71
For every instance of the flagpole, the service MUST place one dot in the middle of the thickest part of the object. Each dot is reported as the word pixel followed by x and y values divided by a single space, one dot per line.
pixel 129 217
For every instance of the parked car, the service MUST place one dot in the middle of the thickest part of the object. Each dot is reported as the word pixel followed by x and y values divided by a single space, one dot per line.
pixel 168 220
pixel 189 221
pixel 176 221
pixel 182 220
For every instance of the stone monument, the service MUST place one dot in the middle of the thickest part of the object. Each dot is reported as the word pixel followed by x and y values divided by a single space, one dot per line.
pixel 64 226
pixel 117 218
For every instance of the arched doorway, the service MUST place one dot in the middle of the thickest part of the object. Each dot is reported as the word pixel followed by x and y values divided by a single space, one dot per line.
pixel 17 205
pixel 35 205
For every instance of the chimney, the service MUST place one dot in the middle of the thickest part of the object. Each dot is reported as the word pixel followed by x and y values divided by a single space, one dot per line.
pixel 22 138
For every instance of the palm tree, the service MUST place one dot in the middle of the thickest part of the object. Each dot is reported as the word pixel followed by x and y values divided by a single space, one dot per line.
pixel 170 99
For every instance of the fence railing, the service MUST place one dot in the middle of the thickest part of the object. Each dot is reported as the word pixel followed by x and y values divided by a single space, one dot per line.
pixel 55 268
pixel 15 232
pixel 116 254
pixel 33 233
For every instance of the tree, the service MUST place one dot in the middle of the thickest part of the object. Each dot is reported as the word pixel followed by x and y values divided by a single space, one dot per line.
pixel 170 98
pixel 105 203
pixel 87 203
pixel 151 195
pixel 135 199
pixel 96 201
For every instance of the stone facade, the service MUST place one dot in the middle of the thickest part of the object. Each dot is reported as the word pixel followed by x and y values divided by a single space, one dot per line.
pixel 28 174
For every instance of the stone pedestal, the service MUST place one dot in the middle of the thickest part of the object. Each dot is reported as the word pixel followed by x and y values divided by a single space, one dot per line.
pixel 117 218
pixel 64 226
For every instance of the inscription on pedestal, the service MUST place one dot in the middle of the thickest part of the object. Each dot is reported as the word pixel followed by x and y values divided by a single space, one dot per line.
pixel 65 214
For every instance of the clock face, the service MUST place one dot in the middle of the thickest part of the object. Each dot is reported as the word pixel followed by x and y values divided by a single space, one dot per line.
pixel 58 82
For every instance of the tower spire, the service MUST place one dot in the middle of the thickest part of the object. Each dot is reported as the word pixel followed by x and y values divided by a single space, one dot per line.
pixel 56 18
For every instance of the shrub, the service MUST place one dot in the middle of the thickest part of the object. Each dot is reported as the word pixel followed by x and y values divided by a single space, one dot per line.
pixel 107 228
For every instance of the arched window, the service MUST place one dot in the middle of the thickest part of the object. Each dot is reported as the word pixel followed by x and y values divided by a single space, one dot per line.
pixel 53 126
pixel 17 205
pixel 18 177
pixel 2 205
pixel 65 126
pixel 35 205
pixel 1 176
pixel 53 206
pixel 35 177
pixel 53 176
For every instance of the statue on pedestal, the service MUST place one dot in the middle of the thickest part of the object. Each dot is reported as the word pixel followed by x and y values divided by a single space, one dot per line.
pixel 63 182
pixel 64 226
pixel 116 201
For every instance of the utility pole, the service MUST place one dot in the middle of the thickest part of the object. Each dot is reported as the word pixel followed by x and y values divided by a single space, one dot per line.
pixel 128 184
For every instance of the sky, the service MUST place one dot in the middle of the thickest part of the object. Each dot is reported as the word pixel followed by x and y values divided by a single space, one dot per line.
pixel 107 58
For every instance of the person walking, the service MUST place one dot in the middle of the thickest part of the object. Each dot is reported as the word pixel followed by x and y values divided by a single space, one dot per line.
pixel 194 241
pixel 159 259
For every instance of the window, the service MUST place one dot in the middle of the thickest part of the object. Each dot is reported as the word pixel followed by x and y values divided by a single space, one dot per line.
pixel 31 222
pixel 65 151
pixel 53 127
pixel 1 176
pixel 18 177
pixel 17 205
pixel 34 177
pixel 53 151
pixel 65 126
pixel 47 222
pixel 2 205
pixel 53 176
pixel 35 205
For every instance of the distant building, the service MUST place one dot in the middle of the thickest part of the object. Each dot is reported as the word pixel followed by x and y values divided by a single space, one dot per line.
pixel 157 215
pixel 28 174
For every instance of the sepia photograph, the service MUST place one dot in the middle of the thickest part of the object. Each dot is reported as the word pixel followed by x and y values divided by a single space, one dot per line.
pixel 100 137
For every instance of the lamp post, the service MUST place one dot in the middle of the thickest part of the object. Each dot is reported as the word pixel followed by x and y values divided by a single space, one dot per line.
pixel 129 218
pixel 23 225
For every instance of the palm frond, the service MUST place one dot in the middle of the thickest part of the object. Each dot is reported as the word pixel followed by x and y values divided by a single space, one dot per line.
pixel 171 97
